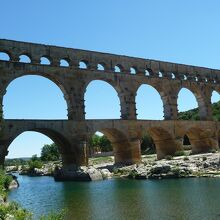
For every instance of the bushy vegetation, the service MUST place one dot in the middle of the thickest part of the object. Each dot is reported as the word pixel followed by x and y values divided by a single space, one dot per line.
pixel 50 152
pixel 54 216
pixel 179 153
pixel 15 162
pixel 193 114
pixel 34 162
pixel 13 211
pixel 147 145
pixel 100 144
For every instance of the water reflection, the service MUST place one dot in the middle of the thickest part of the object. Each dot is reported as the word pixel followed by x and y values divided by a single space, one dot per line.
pixel 122 199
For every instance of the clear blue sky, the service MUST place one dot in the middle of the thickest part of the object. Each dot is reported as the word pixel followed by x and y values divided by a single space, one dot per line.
pixel 177 31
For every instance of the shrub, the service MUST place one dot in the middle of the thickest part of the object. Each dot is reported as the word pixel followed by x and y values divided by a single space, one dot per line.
pixel 179 153
pixel 54 216
pixel 185 158
pixel 212 151
pixel 13 209
pixel 204 158
pixel 168 157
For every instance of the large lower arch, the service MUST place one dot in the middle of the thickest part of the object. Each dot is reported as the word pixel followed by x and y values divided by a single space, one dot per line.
pixel 70 156
pixel 149 108
pixel 101 101
pixel 164 142
pixel 24 79
pixel 125 151
pixel 202 139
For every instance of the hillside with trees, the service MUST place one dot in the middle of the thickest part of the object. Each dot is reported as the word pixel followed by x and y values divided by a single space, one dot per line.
pixel 193 114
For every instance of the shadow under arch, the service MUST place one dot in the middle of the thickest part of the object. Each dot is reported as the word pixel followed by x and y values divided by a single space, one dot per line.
pixel 52 79
pixel 116 89
pixel 202 140
pixel 164 142
pixel 125 151
pixel 68 156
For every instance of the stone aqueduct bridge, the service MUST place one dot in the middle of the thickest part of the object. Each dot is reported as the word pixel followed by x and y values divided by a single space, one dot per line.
pixel 73 134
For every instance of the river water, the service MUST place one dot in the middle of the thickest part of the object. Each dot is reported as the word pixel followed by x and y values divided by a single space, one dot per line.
pixel 179 199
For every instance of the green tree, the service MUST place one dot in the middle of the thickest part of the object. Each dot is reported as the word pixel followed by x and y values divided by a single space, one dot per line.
pixel 34 162
pixel 100 143
pixel 147 145
pixel 50 152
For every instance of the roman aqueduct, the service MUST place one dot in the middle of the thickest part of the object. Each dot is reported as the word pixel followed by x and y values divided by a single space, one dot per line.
pixel 72 135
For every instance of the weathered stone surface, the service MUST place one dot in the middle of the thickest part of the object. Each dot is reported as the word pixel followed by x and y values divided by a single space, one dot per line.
pixel 13 185
pixel 72 135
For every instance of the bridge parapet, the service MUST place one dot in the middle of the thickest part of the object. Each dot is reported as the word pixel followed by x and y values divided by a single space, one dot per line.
pixel 92 59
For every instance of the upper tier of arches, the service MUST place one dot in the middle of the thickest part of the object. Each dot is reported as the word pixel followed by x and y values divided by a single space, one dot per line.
pixel 90 60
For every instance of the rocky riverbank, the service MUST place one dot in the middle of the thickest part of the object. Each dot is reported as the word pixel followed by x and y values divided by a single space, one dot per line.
pixel 202 165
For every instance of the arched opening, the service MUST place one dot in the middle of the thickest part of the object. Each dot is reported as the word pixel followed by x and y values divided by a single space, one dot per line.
pixel 215 100
pixel 4 56
pixel 160 74
pixel 201 140
pixel 64 63
pixel 118 68
pixel 187 105
pixel 186 143
pixel 100 149
pixel 101 101
pixel 45 144
pixel 133 70
pixel 34 97
pixel 163 142
pixel 146 109
pixel 147 145
pixel 147 73
pixel 27 144
pixel 24 59
pixel 83 64
pixel 124 151
pixel 44 61
pixel 173 76
pixel 101 67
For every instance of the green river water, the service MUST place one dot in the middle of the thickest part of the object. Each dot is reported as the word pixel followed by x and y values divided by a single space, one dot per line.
pixel 181 199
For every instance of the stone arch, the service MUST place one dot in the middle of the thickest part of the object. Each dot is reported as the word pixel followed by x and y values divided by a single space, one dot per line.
pixel 101 66
pixel 45 60
pixel 202 107
pixel 65 62
pixel 25 58
pixel 201 139
pixel 56 81
pixel 215 102
pixel 69 154
pixel 164 142
pixel 6 54
pixel 159 97
pixel 125 150
pixel 110 83
pixel 118 68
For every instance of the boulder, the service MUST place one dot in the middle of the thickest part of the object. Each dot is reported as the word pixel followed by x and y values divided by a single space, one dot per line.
pixel 94 174
pixel 13 185
pixel 160 168
pixel 106 174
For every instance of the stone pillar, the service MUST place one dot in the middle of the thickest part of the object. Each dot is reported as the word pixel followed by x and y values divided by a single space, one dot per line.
pixel 76 111
pixel 128 106
pixel 127 152
pixel 205 109
pixel 167 147
pixel 204 145
pixel 170 106
pixel 3 154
